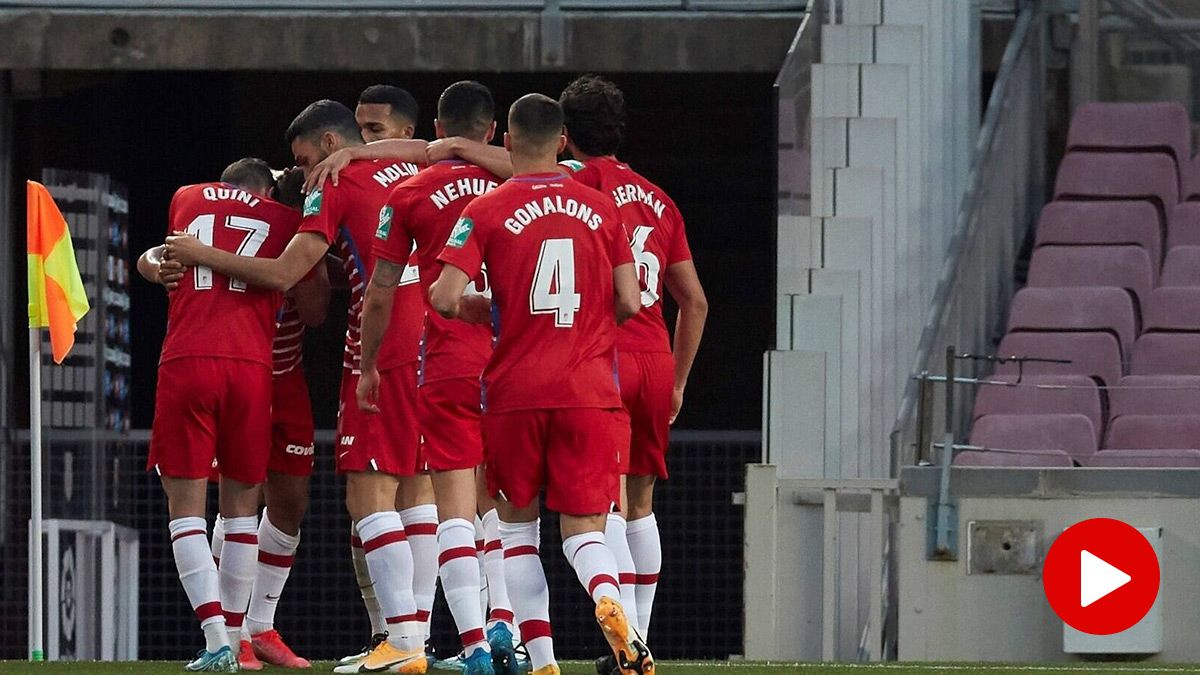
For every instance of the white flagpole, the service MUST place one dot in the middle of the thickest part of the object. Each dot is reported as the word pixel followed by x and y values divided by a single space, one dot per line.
pixel 36 602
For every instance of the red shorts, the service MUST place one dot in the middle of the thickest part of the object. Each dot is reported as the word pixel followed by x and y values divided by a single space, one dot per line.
pixel 291 425
pixel 387 442
pixel 647 382
pixel 450 433
pixel 209 411
pixel 573 452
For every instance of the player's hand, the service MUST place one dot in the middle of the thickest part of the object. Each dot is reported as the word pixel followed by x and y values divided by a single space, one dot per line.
pixel 169 273
pixel 676 403
pixel 184 249
pixel 368 391
pixel 441 149
pixel 329 168
pixel 475 309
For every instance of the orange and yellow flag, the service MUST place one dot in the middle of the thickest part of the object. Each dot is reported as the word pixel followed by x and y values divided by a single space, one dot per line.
pixel 56 296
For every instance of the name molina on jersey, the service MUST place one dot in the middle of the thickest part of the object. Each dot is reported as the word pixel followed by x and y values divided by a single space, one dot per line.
pixel 546 206
pixel 395 172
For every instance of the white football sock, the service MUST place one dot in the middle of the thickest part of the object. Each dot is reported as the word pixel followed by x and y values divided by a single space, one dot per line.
pixel 276 552
pixel 646 549
pixel 493 557
pixel 239 557
pixel 218 539
pixel 614 538
pixel 483 582
pixel 460 581
pixel 594 564
pixel 420 526
pixel 525 576
pixel 198 574
pixel 362 574
pixel 390 561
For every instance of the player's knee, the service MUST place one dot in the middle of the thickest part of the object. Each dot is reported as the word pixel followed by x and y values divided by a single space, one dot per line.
pixel 639 497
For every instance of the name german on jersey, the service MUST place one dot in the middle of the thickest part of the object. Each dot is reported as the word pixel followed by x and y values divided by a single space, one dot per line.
pixel 538 208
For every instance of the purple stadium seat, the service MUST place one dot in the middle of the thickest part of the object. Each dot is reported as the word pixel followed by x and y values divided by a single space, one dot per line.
pixel 1104 223
pixel 1155 395
pixel 1102 176
pixel 1044 394
pixel 1184 226
pixel 1071 433
pixel 1093 354
pixel 1144 458
pixel 1166 354
pixel 1172 308
pixel 1021 458
pixel 1191 180
pixel 1153 432
pixel 1121 266
pixel 1130 127
pixel 1075 309
pixel 1182 267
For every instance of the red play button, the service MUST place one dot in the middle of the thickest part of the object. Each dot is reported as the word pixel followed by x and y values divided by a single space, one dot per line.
pixel 1101 576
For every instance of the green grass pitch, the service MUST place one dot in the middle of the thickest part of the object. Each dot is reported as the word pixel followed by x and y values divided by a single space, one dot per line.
pixel 666 668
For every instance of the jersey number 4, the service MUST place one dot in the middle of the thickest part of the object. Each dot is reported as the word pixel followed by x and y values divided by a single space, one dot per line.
pixel 202 229
pixel 553 290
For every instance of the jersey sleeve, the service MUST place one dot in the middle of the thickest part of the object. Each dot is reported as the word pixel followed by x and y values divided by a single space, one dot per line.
pixel 464 248
pixel 679 250
pixel 322 212
pixel 173 209
pixel 393 237
pixel 583 173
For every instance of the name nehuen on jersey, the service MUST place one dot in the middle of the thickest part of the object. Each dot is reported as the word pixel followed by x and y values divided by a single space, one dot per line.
pixel 627 194
pixel 463 187
pixel 546 206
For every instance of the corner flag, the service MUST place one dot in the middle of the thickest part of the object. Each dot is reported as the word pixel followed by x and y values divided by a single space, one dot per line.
pixel 57 299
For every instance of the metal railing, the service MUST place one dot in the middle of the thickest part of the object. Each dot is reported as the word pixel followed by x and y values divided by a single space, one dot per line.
pixel 1006 188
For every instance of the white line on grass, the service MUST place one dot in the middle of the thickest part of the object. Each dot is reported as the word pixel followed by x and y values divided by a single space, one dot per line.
pixel 965 667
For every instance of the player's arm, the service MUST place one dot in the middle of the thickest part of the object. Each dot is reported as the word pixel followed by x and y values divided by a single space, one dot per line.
pixel 628 297
pixel 404 149
pixel 278 274
pixel 446 294
pixel 684 286
pixel 494 158
pixel 156 270
pixel 378 300
pixel 311 296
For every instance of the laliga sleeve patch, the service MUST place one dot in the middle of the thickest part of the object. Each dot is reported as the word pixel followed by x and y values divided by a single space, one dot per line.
pixel 572 164
pixel 385 223
pixel 461 233
pixel 312 203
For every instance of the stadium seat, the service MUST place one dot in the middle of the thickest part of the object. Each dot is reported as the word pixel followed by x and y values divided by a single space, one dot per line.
pixel 1126 267
pixel 1071 433
pixel 1045 394
pixel 1013 459
pixel 1155 395
pixel 1182 267
pixel 1102 176
pixel 1166 354
pixel 1144 458
pixel 1160 127
pixel 1153 432
pixel 1096 355
pixel 1172 309
pixel 1191 180
pixel 1105 309
pixel 1184 226
pixel 1104 223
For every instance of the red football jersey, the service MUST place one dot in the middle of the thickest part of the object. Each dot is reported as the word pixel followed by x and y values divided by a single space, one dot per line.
pixel 550 245
pixel 424 210
pixel 289 339
pixel 658 240
pixel 348 214
pixel 210 314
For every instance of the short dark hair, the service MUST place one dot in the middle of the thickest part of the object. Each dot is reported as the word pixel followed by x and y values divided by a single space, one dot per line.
pixel 535 118
pixel 466 109
pixel 321 116
pixel 249 173
pixel 594 110
pixel 289 189
pixel 403 104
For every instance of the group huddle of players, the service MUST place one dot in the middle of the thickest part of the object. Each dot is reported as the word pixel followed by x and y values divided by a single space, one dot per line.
pixel 505 337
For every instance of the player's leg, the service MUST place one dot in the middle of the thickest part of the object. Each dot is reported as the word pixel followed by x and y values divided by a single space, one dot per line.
pixel 513 443
pixel 239 555
pixel 615 538
pixel 415 503
pixel 583 484
pixel 452 449
pixel 645 545
pixel 182 449
pixel 501 623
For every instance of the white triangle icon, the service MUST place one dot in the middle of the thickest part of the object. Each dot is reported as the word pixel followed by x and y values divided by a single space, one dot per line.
pixel 1097 578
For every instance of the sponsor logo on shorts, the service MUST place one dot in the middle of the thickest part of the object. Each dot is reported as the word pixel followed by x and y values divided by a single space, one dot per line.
pixel 302 450
pixel 312 203
pixel 461 233
pixel 385 223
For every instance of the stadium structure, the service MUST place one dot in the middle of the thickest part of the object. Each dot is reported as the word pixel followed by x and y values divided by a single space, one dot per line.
pixel 951 249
